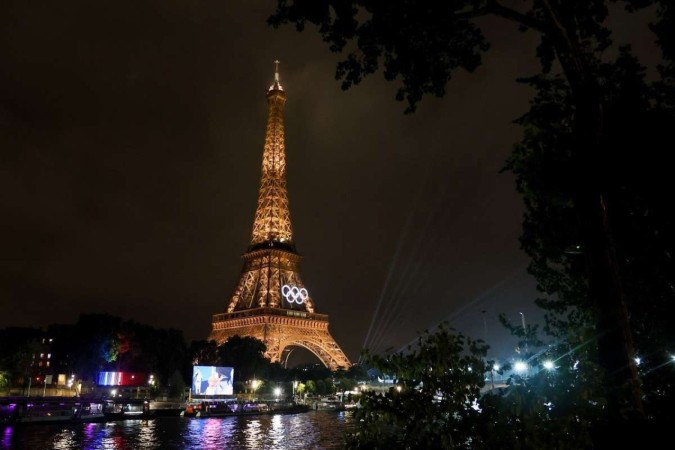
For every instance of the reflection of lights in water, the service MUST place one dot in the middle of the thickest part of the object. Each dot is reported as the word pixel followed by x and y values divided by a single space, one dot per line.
pixel 7 437
pixel 301 432
pixel 94 433
pixel 115 435
pixel 65 440
pixel 89 429
pixel 211 434
pixel 253 434
pixel 322 429
pixel 278 430
pixel 146 435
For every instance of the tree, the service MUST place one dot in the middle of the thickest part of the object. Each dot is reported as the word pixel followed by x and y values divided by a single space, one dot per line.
pixel 239 387
pixel 4 380
pixel 357 372
pixel 204 353
pixel 643 224
pixel 310 386
pixel 310 372
pixel 19 347
pixel 438 382
pixel 176 384
pixel 423 43
pixel 300 389
pixel 321 387
pixel 346 385
pixel 246 355
pixel 171 352
pixel 93 343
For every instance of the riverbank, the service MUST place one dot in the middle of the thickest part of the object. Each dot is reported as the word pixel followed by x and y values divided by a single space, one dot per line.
pixel 34 410
pixel 37 410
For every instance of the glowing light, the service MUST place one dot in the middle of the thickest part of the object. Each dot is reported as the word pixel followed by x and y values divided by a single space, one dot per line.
pixel 496 367
pixel 637 360
pixel 548 365
pixel 398 388
pixel 113 392
pixel 520 366
pixel 293 294
pixel 277 392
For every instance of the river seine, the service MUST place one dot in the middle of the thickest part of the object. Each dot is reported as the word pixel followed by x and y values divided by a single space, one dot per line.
pixel 311 430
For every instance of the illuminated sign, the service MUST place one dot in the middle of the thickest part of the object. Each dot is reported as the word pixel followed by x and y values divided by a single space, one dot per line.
pixel 293 294
pixel 212 380
pixel 121 379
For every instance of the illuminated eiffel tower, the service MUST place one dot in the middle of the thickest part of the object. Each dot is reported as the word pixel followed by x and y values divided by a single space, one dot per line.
pixel 270 301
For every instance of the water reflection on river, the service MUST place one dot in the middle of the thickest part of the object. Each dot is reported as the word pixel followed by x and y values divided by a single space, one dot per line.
pixel 312 430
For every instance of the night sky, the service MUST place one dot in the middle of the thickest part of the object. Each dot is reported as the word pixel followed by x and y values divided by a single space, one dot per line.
pixel 131 138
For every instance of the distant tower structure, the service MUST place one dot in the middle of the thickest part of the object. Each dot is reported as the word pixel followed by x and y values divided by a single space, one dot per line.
pixel 270 301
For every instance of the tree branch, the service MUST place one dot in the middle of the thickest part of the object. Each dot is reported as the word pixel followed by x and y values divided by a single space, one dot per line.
pixel 493 7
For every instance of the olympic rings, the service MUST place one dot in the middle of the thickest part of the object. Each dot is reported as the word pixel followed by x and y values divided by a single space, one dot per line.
pixel 293 294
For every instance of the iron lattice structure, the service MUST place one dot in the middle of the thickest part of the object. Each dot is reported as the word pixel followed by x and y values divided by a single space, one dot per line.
pixel 270 301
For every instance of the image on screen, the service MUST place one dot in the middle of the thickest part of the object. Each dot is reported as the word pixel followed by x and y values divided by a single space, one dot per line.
pixel 212 380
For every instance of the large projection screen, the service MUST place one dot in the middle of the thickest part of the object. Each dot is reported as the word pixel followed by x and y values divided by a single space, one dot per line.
pixel 212 380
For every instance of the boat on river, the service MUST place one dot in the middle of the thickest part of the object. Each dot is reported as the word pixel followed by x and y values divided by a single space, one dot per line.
pixel 89 411
pixel 36 410
pixel 76 409
pixel 329 403
pixel 231 407
pixel 118 409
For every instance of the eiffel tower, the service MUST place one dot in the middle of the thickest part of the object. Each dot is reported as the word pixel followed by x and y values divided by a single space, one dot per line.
pixel 270 302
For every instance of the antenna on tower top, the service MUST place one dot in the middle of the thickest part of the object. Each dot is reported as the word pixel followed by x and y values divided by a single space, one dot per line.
pixel 276 86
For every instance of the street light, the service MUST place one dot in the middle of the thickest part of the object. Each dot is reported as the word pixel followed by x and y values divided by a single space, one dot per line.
pixel 277 392
pixel 548 365
pixel 254 384
pixel 520 367
pixel 495 367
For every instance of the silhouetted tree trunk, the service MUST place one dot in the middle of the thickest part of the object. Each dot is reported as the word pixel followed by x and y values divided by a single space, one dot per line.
pixel 593 204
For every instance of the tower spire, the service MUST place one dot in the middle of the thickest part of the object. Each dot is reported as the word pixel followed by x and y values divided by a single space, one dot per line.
pixel 272 222
pixel 277 83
